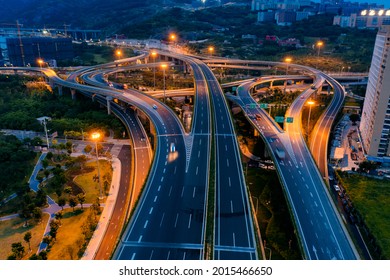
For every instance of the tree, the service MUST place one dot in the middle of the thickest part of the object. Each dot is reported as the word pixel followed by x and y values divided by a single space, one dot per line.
pixel 72 201
pixel 61 202
pixel 81 199
pixel 58 217
pixel 45 163
pixel 17 249
pixel 27 238
pixel 49 155
pixel 68 190
pixel 37 214
pixel 88 149
pixel 54 225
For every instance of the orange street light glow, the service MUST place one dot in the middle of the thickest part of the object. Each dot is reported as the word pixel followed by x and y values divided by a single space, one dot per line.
pixel 95 135
pixel 310 102
pixel 288 59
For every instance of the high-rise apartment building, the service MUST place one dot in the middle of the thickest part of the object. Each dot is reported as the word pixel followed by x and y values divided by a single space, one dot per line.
pixel 375 121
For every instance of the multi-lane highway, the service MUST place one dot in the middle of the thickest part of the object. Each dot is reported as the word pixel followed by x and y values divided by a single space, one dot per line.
pixel 170 218
pixel 321 230
pixel 233 226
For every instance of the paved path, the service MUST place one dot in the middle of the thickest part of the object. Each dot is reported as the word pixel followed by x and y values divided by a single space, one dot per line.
pixel 53 207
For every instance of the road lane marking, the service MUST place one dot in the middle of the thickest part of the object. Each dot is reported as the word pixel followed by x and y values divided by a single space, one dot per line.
pixel 170 190
pixel 133 256
pixel 193 193
pixel 311 194
pixel 299 172
pixel 162 219
pixel 227 162
pixel 303 179
pixel 189 221
pixel 230 183
pixel 177 216
pixel 319 212
pixel 164 170
pixel 159 188
pixel 155 198
pixel 182 192
pixel 231 206
pixel 151 210
pixel 146 224
pixel 226 148
pixel 151 255
pixel 169 253
pixel 198 154
pixel 234 240
pixel 140 238
pixel 197 170
pixel 174 172
pixel 162 179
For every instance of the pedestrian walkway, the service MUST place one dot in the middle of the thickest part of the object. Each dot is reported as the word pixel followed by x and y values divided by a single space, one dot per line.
pixel 53 207
pixel 105 217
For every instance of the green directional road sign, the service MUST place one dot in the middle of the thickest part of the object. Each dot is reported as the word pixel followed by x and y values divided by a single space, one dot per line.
pixel 289 119
pixel 279 119
pixel 252 105
pixel 263 105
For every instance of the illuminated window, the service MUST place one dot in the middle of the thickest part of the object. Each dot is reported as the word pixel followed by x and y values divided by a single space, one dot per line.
pixel 364 12
pixel 372 13
pixel 388 13
pixel 381 12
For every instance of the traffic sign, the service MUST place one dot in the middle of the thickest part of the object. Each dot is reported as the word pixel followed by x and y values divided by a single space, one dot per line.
pixel 252 105
pixel 289 119
pixel 279 119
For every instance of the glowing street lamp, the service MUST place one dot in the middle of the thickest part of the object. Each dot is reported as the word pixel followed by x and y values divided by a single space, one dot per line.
pixel 288 60
pixel 319 45
pixel 172 37
pixel 163 67
pixel 40 62
pixel 310 103
pixel 118 53
pixel 211 50
pixel 154 54
pixel 96 136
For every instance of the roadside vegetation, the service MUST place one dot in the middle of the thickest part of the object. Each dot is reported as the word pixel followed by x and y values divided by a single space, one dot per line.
pixel 21 103
pixel 13 243
pixel 371 199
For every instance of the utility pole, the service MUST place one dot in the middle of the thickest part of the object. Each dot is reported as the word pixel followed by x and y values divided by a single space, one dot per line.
pixel 47 137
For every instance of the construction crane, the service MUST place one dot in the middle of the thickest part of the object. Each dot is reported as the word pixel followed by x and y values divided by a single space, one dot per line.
pixel 21 43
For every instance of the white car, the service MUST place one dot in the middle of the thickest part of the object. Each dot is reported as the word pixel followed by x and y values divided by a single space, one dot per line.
pixel 172 148
pixel 336 188
pixel 154 106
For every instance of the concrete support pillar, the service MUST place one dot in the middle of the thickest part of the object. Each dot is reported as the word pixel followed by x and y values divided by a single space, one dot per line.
pixel 271 84
pixel 59 90
pixel 109 99
pixel 73 92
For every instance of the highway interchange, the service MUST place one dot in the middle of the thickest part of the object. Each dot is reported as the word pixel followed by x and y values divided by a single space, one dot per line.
pixel 170 218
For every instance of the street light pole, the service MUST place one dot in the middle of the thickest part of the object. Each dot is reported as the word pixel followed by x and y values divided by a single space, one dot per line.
pixel 96 136
pixel 308 118
pixel 163 66
pixel 319 45
pixel 154 69
pixel 47 137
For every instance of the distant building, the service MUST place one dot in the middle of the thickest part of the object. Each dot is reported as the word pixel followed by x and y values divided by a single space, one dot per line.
pixel 25 51
pixel 375 120
pixel 285 18
pixel 266 16
pixel 260 5
pixel 374 18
